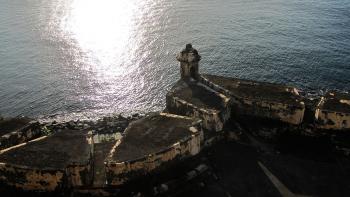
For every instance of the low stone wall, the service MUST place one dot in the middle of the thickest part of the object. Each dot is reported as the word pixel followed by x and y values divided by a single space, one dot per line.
pixel 118 173
pixel 283 112
pixel 26 178
pixel 327 119
pixel 332 120
pixel 24 134
pixel 212 119
pixel 47 179
pixel 213 86
pixel 273 110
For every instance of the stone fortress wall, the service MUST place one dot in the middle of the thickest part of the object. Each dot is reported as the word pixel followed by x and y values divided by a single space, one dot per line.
pixel 198 108
pixel 257 99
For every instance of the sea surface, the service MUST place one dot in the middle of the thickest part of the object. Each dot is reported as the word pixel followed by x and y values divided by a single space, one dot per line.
pixel 83 58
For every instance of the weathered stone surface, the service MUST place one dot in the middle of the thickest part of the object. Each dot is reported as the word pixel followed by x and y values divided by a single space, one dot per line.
pixel 259 98
pixel 191 98
pixel 151 142
pixel 14 131
pixel 12 124
pixel 333 111
pixel 49 163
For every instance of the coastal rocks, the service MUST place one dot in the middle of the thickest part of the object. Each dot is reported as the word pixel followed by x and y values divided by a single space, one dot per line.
pixel 110 124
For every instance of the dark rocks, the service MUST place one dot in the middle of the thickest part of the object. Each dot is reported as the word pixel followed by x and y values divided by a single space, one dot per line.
pixel 110 124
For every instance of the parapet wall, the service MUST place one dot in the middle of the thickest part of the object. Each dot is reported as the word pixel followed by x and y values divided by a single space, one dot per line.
pixel 28 132
pixel 214 86
pixel 333 111
pixel 284 112
pixel 38 169
pixel 118 173
pixel 27 178
pixel 193 99
pixel 212 119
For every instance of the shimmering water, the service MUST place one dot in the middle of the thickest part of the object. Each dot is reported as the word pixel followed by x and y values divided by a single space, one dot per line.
pixel 95 57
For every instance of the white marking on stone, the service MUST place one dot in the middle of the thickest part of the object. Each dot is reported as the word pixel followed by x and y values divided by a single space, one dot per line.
pixel 110 155
pixel 345 101
pixel 193 130
pixel 20 145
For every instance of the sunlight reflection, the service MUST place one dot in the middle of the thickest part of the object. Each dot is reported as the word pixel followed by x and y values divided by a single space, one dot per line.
pixel 102 28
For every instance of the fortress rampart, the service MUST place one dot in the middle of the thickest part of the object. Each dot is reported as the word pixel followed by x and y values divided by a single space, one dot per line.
pixel 198 108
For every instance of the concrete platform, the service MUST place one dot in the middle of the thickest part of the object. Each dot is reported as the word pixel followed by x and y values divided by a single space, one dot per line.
pixel 190 98
pixel 49 163
pixel 151 143
pixel 333 111
pixel 259 98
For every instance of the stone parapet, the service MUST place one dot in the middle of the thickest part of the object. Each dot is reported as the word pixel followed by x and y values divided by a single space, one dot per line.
pixel 120 171
pixel 49 163
pixel 212 119
pixel 23 132
pixel 196 100
pixel 333 111
pixel 267 103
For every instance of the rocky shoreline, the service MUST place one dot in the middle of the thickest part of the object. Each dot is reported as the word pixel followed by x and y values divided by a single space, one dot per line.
pixel 22 129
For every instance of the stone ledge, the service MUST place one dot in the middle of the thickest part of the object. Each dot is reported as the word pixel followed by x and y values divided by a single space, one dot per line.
pixel 119 171
pixel 51 163
pixel 20 131
pixel 333 111
pixel 276 101
pixel 214 115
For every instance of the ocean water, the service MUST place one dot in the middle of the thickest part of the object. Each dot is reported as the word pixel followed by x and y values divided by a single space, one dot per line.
pixel 82 58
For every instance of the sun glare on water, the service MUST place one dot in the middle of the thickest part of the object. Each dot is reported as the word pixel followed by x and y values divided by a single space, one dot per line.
pixel 106 48
pixel 102 29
